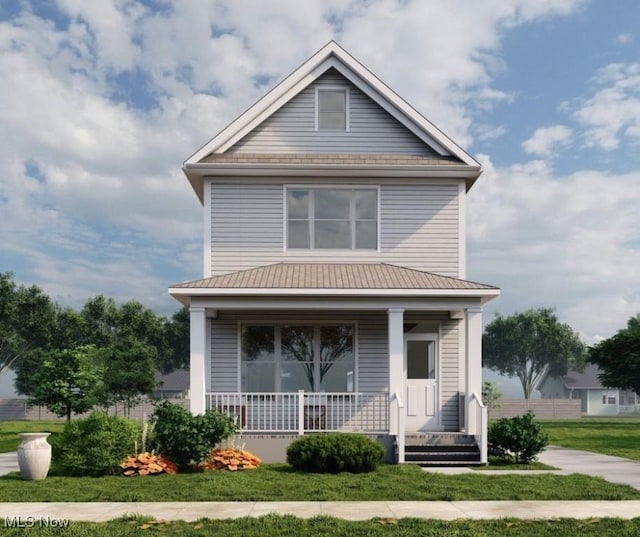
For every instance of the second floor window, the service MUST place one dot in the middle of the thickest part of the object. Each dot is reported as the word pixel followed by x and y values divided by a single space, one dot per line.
pixel 332 218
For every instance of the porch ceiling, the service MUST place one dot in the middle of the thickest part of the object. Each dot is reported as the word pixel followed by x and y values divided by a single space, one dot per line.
pixel 375 280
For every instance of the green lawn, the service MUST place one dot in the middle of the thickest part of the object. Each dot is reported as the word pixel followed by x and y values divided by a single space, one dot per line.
pixel 496 463
pixel 288 526
pixel 610 436
pixel 9 431
pixel 278 482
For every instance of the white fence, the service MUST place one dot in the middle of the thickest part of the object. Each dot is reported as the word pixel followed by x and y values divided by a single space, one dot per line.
pixel 301 412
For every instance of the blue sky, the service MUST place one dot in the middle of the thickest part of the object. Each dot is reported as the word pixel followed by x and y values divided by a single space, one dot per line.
pixel 101 102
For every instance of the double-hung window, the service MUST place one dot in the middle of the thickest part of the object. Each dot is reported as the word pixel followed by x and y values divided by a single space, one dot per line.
pixel 332 218
pixel 332 109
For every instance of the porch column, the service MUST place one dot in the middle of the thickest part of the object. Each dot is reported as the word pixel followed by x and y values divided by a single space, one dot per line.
pixel 197 324
pixel 396 364
pixel 474 363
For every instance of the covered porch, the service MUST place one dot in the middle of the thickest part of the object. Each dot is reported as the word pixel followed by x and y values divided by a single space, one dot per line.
pixel 412 364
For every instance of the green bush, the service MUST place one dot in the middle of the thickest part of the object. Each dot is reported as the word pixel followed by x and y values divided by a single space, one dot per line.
pixel 519 439
pixel 95 445
pixel 186 439
pixel 334 452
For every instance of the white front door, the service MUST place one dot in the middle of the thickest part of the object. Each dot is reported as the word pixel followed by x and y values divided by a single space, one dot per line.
pixel 420 381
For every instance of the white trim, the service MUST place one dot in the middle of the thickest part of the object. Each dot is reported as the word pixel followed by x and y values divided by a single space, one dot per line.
pixel 435 337
pixel 334 87
pixel 331 55
pixel 207 354
pixel 374 293
pixel 208 224
pixel 462 231
pixel 311 188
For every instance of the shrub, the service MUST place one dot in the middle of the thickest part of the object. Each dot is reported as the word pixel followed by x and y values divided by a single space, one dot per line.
pixel 186 439
pixel 520 438
pixel 334 453
pixel 94 445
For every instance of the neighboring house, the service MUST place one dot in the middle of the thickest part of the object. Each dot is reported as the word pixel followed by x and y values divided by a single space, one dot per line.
pixel 174 385
pixel 334 294
pixel 597 400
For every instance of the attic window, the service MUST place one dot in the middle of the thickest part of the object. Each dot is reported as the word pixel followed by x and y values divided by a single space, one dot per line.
pixel 332 109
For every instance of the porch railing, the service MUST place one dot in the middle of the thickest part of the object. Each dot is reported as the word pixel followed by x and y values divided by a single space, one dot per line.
pixel 480 415
pixel 301 412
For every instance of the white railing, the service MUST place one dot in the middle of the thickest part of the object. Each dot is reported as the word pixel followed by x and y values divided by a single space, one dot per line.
pixel 400 432
pixel 301 412
pixel 478 412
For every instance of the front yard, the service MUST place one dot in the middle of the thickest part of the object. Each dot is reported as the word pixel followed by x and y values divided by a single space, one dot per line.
pixel 9 431
pixel 610 436
pixel 278 482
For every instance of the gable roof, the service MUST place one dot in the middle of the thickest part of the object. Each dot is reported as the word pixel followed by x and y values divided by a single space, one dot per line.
pixel 330 56
pixel 585 379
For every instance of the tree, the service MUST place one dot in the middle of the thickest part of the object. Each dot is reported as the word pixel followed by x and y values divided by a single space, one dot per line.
pixel 68 381
pixel 618 357
pixel 129 371
pixel 27 320
pixel 529 345
pixel 490 395
pixel 174 351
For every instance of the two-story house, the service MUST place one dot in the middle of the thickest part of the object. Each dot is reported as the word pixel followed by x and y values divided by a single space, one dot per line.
pixel 334 295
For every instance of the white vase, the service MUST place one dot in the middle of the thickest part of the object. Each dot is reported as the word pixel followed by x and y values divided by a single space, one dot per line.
pixel 34 456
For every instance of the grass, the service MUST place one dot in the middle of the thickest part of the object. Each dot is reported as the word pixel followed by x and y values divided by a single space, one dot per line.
pixel 496 463
pixel 611 436
pixel 9 430
pixel 278 482
pixel 285 526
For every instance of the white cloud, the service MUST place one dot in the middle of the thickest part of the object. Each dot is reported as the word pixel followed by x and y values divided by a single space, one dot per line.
pixel 612 113
pixel 625 38
pixel 545 140
pixel 568 242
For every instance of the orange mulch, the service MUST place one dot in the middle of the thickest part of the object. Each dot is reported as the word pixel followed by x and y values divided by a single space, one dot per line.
pixel 147 464
pixel 230 459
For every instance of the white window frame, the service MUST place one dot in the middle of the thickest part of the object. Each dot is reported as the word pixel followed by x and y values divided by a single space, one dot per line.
pixel 347 123
pixel 311 216
pixel 316 348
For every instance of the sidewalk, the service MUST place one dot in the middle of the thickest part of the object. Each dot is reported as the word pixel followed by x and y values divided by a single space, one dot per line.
pixel 614 469
pixel 190 511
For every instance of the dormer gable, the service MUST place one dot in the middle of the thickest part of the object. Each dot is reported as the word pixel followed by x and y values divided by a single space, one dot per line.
pixel 332 105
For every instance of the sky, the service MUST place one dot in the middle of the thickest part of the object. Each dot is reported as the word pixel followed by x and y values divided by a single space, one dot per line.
pixel 101 102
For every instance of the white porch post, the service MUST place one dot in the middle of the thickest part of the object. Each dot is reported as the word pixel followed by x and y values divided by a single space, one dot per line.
pixel 473 365
pixel 396 363
pixel 197 323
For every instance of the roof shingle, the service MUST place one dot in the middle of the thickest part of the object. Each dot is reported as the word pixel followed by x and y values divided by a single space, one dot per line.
pixel 332 276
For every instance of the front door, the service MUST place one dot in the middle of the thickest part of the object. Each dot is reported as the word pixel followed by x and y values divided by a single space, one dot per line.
pixel 420 381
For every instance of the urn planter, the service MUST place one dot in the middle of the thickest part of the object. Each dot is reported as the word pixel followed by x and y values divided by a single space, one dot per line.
pixel 34 455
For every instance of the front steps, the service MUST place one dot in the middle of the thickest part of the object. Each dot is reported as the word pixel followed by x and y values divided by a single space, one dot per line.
pixel 441 449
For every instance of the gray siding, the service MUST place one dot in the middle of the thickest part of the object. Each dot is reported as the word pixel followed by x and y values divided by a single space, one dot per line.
pixel 372 368
pixel 418 227
pixel 291 129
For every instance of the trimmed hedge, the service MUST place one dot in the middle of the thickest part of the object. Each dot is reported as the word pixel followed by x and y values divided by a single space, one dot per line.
pixel 333 453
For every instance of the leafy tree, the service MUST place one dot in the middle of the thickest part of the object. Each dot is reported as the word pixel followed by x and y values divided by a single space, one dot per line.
pixel 173 353
pixel 529 345
pixel 129 371
pixel 619 357
pixel 68 381
pixel 27 321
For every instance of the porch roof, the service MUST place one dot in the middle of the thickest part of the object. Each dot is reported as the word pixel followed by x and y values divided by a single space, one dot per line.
pixel 343 278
